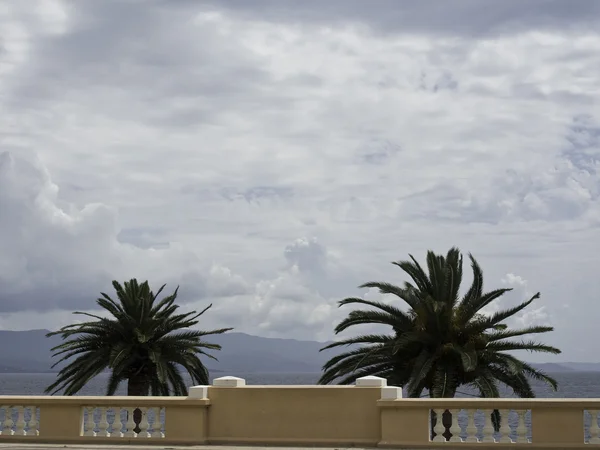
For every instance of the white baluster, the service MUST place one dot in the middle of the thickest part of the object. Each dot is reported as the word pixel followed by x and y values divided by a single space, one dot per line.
pixel 32 425
pixel 504 426
pixel 439 429
pixel 90 424
pixel 454 426
pixel 471 429
pixel 8 422
pixel 117 424
pixel 103 423
pixel 156 425
pixel 144 424
pixel 130 425
pixel 488 426
pixel 594 428
pixel 20 423
pixel 521 428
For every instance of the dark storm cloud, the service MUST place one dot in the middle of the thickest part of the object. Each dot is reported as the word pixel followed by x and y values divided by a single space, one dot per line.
pixel 81 295
pixel 456 18
pixel 583 149
pixel 153 51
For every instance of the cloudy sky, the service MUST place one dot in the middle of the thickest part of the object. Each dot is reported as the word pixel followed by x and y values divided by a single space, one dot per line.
pixel 269 156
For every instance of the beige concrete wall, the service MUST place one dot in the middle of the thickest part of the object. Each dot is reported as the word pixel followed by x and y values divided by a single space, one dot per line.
pixel 304 415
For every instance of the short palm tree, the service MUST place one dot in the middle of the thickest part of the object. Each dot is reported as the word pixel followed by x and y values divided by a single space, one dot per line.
pixel 144 342
pixel 442 340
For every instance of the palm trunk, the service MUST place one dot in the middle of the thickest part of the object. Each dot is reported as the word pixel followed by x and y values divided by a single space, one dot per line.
pixel 496 419
pixel 137 385
pixel 446 420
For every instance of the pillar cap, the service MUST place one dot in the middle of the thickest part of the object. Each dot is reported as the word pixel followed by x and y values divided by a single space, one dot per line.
pixel 198 392
pixel 371 381
pixel 229 382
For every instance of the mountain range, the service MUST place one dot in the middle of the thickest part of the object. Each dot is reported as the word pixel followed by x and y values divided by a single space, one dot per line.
pixel 30 352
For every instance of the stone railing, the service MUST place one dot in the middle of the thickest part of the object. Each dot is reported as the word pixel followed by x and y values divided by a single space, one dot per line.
pixel 369 414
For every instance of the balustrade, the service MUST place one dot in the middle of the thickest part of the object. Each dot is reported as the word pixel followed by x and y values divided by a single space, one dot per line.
pixel 19 420
pixel 118 422
pixel 482 426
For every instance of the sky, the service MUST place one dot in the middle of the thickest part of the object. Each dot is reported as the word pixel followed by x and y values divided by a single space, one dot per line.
pixel 268 157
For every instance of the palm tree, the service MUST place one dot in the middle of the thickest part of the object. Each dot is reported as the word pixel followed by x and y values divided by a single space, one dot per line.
pixel 441 341
pixel 144 343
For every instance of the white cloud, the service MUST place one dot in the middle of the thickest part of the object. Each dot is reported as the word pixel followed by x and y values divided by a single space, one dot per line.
pixel 272 163
pixel 52 257
pixel 536 314
pixel 58 260
pixel 533 317
pixel 513 280
pixel 306 254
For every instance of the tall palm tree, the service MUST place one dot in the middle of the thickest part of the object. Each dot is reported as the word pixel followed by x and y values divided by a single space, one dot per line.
pixel 442 340
pixel 144 342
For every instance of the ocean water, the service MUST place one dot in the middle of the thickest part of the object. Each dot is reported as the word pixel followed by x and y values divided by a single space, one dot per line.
pixel 571 384
pixel 35 383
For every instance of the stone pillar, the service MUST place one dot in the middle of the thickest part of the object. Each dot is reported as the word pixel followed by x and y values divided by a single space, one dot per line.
pixel 387 392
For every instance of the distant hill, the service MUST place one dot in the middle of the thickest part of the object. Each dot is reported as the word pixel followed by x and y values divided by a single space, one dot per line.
pixel 582 366
pixel 29 352
pixel 555 368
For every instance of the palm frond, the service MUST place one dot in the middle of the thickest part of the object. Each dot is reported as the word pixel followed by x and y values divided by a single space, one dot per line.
pixel 506 334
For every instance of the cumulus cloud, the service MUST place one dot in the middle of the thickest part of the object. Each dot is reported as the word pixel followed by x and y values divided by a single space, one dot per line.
pixel 272 156
pixel 536 314
pixel 513 280
pixel 56 258
pixel 306 254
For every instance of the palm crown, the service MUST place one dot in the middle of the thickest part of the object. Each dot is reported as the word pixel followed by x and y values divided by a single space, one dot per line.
pixel 443 340
pixel 143 343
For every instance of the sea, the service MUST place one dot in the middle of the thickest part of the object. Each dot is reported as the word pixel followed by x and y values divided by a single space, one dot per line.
pixel 571 384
